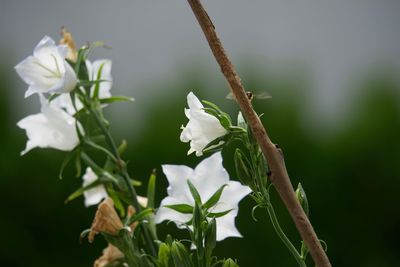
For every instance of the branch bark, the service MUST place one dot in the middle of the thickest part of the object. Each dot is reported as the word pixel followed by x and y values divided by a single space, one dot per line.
pixel 279 177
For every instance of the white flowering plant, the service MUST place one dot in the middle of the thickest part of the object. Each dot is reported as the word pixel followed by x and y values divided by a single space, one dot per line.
pixel 204 201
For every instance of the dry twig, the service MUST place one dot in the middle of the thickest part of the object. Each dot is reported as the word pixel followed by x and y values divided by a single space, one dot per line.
pixel 273 154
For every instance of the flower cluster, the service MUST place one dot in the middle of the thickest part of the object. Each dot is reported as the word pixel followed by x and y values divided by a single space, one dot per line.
pixel 50 74
pixel 73 91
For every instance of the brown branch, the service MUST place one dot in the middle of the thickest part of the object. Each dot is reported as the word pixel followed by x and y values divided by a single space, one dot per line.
pixel 279 178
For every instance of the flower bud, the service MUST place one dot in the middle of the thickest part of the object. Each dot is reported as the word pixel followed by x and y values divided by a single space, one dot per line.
pixel 302 198
pixel 106 220
pixel 230 263
pixel 69 42
pixel 242 166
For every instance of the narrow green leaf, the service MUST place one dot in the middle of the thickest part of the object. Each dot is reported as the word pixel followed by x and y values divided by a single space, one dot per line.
pixel 65 162
pixel 140 216
pixel 210 238
pixel 214 198
pixel 100 148
pixel 217 143
pixel 194 192
pixel 53 96
pixel 86 83
pixel 182 208
pixel 116 197
pixel 197 218
pixel 97 86
pixel 212 105
pixel 218 214
pixel 80 190
pixel 212 112
pixel 113 99
pixel 78 165
pixel 151 189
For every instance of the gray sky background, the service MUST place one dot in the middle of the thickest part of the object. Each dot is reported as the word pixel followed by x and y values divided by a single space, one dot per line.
pixel 335 39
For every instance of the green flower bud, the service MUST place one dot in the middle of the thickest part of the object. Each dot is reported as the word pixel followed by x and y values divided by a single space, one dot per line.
pixel 302 198
pixel 243 169
pixel 230 263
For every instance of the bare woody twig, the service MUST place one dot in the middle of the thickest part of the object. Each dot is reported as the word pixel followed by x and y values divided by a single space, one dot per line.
pixel 279 178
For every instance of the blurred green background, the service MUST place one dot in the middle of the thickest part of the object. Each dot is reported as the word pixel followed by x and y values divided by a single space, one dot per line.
pixel 350 171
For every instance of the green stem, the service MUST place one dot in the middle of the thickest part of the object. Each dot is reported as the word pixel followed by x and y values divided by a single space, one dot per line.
pixel 283 237
pixel 122 167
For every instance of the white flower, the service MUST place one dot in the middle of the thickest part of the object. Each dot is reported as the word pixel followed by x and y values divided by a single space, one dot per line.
pixel 94 195
pixel 101 70
pixel 47 70
pixel 202 127
pixel 53 128
pixel 102 67
pixel 207 177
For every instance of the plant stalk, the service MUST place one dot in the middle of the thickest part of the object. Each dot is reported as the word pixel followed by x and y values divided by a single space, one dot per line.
pixel 274 156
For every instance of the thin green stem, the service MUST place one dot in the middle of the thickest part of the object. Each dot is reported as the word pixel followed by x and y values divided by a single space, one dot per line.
pixel 282 235
pixel 122 167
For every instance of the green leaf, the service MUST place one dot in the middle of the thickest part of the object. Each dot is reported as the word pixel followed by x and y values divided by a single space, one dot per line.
pixel 217 143
pixel 194 192
pixel 302 198
pixel 113 99
pixel 140 216
pixel 97 86
pixel 197 217
pixel 53 96
pixel 243 168
pixel 212 105
pixel 80 191
pixel 116 197
pixel 214 198
pixel 78 165
pixel 218 214
pixel 151 189
pixel 164 252
pixel 210 238
pixel 87 83
pixel 182 208
pixel 180 255
pixel 212 112
pixel 100 148
pixel 65 162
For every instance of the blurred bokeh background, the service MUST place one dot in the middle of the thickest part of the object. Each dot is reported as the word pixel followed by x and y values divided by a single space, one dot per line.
pixel 332 69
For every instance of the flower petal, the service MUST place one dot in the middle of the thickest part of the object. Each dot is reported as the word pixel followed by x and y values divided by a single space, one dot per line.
pixel 94 195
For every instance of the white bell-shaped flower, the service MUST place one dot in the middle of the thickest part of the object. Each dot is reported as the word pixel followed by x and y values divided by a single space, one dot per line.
pixel 207 177
pixel 202 127
pixel 53 128
pixel 47 71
